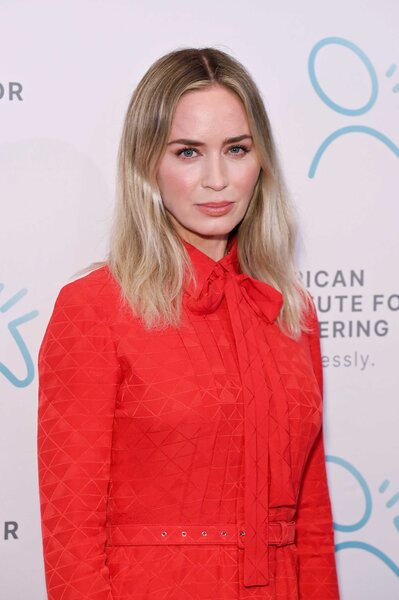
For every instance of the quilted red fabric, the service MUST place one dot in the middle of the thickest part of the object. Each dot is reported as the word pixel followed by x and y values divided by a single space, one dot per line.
pixel 185 463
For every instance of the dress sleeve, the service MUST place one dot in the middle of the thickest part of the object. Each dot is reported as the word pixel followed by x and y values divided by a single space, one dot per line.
pixel 78 380
pixel 315 536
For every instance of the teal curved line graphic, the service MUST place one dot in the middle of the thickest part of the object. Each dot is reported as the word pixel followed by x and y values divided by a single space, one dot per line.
pixel 344 131
pixel 13 300
pixel 13 328
pixel 372 550
pixel 365 489
pixel 365 60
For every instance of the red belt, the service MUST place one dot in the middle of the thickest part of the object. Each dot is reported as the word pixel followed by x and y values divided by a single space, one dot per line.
pixel 280 533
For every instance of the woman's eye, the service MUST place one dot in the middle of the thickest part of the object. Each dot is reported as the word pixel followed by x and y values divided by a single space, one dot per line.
pixel 236 149
pixel 186 152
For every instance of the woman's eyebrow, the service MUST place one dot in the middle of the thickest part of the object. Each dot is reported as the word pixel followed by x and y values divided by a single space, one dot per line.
pixel 232 140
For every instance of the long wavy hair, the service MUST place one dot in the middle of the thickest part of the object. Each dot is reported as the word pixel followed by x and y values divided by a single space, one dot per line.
pixel 147 256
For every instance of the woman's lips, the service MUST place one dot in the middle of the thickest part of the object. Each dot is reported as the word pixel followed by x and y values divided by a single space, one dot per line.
pixel 219 203
pixel 215 208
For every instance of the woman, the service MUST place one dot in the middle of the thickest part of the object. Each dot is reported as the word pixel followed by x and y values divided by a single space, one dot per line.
pixel 180 442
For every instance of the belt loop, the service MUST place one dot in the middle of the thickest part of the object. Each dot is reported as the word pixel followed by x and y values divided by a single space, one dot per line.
pixel 283 533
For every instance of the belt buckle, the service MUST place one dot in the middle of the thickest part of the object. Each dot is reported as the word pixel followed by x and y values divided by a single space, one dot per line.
pixel 283 533
pixel 287 529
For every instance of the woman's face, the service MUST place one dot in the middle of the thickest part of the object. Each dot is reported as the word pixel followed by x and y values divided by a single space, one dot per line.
pixel 210 158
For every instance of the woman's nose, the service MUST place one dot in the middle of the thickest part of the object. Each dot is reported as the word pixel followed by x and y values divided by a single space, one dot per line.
pixel 214 173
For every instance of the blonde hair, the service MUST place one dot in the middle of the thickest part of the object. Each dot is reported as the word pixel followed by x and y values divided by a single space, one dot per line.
pixel 146 254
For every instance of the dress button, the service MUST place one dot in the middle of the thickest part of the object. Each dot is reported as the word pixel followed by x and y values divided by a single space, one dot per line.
pixel 184 533
pixel 204 533
pixel 223 533
pixel 164 533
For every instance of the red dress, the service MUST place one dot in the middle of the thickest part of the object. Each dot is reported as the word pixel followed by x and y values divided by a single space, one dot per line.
pixel 185 463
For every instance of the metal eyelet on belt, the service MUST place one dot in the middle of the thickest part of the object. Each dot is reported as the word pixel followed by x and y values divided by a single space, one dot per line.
pixel 164 533
pixel 204 533
pixel 184 533
pixel 223 533
pixel 242 532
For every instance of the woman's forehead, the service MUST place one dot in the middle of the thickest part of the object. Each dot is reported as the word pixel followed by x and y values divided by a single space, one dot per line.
pixel 213 109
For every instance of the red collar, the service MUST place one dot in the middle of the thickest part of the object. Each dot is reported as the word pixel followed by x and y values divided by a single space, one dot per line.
pixel 204 264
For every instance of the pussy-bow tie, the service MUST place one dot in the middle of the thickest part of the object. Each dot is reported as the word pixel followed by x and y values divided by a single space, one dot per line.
pixel 264 300
pixel 253 306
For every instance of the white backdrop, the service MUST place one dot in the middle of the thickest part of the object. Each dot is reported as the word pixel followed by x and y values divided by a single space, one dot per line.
pixel 328 73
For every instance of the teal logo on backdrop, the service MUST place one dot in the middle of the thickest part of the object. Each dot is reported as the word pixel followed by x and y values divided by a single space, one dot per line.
pixel 365 63
pixel 351 528
pixel 12 324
